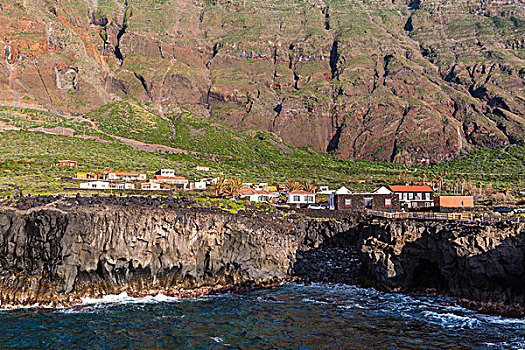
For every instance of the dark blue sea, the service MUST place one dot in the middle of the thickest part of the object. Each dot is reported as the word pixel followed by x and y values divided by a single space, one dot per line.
pixel 292 316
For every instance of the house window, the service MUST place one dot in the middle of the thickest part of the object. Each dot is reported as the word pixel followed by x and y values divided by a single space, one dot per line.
pixel 368 202
pixel 348 202
pixel 388 202
pixel 410 195
pixel 427 196
pixel 427 204
pixel 296 198
pixel 405 196
pixel 309 199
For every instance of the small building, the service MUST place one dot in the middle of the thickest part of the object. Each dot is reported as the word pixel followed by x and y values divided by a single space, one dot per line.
pixel 150 186
pixel 124 186
pixel 454 202
pixel 369 200
pixel 95 185
pixel 300 197
pixel 259 196
pixel 202 168
pixel 195 185
pixel 270 188
pixel 87 176
pixel 341 191
pixel 165 173
pixel 172 180
pixel 126 176
pixel 324 190
pixel 67 163
pixel 410 196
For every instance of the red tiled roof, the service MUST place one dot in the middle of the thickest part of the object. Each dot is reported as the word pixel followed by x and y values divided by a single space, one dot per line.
pixel 408 188
pixel 300 192
pixel 247 191
pixel 126 173
pixel 170 177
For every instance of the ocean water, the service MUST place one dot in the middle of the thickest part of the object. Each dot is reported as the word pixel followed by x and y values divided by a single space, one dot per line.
pixel 293 316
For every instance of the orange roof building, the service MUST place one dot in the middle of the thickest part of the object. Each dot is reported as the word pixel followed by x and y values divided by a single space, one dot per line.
pixel 411 188
pixel 256 195
pixel 411 196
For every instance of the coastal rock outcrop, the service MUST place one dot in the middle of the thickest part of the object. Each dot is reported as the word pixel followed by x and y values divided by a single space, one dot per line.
pixel 483 264
pixel 56 253
pixel 50 256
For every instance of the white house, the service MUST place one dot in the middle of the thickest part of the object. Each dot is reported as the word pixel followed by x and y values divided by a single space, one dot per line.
pixel 259 196
pixel 172 180
pixel 410 196
pixel 202 168
pixel 150 186
pixel 300 197
pixel 95 185
pixel 124 186
pixel 324 190
pixel 166 173
pixel 342 190
pixel 126 176
pixel 195 185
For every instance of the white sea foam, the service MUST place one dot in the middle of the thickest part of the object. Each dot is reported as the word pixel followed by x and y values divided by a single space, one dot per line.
pixel 124 298
pixel 451 320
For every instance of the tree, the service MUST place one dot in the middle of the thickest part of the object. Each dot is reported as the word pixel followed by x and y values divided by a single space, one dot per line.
pixel 293 185
pixel 463 180
pixel 233 187
pixel 309 187
pixel 220 186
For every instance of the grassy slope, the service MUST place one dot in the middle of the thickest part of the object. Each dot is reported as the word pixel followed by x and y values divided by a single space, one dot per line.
pixel 27 158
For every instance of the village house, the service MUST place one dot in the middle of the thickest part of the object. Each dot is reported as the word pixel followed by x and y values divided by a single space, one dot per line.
pixel 324 190
pixel 344 199
pixel 202 168
pixel 300 197
pixel 124 186
pixel 410 196
pixel 67 163
pixel 165 173
pixel 453 202
pixel 150 186
pixel 126 176
pixel 167 176
pixel 87 176
pixel 259 196
pixel 95 185
pixel 270 188
pixel 195 185
pixel 172 180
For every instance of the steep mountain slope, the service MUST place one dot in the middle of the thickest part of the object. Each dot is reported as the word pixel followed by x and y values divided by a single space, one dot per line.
pixel 379 80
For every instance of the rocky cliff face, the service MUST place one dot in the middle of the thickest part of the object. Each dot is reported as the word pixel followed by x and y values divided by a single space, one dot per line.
pixel 54 256
pixel 50 257
pixel 382 80
pixel 484 263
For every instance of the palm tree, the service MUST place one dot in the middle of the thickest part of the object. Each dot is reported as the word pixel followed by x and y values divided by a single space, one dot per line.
pixel 309 187
pixel 462 184
pixel 233 187
pixel 480 186
pixel 292 185
pixel 440 182
pixel 424 176
pixel 220 186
